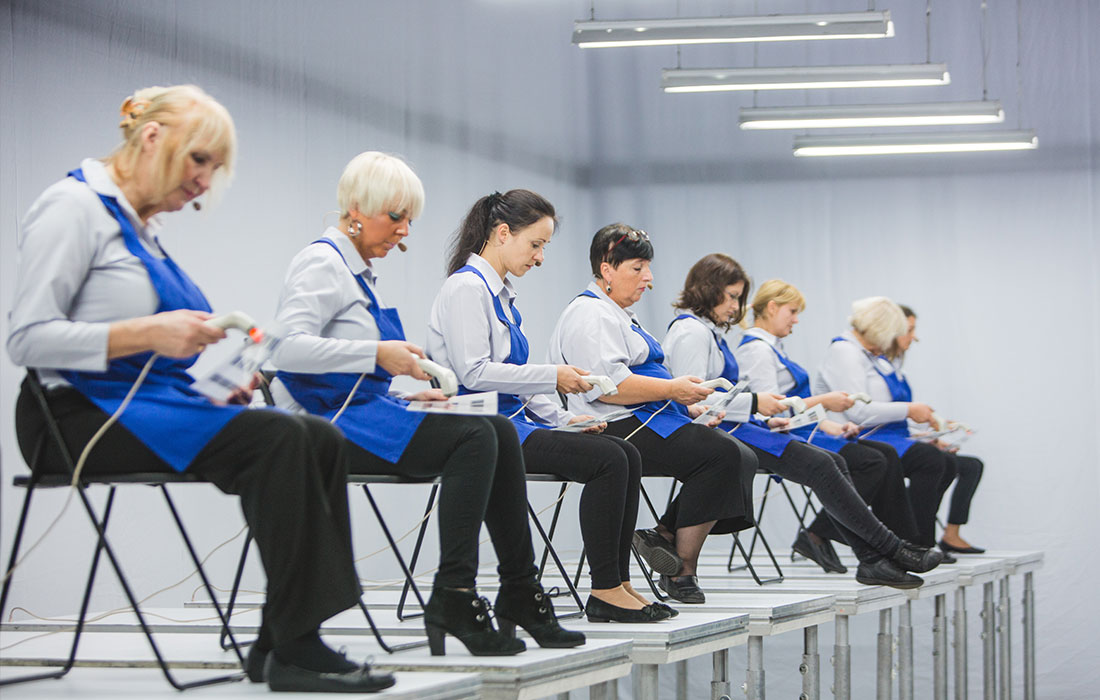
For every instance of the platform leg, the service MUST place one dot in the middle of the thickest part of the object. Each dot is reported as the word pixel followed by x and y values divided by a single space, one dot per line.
pixel 811 665
pixel 645 682
pixel 754 683
pixel 1029 637
pixel 905 651
pixel 1004 635
pixel 842 661
pixel 720 676
pixel 884 672
pixel 563 696
pixel 989 645
pixel 681 680
pixel 608 690
pixel 939 651
pixel 960 644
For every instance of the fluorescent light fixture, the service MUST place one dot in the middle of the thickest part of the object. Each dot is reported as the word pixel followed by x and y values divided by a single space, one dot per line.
pixel 721 30
pixel 802 78
pixel 883 144
pixel 837 116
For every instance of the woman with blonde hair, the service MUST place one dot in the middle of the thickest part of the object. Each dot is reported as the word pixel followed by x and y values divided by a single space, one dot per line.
pixel 342 349
pixel 855 362
pixel 711 301
pixel 98 301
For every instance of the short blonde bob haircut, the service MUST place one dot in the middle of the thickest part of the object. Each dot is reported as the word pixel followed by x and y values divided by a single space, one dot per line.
pixel 191 120
pixel 879 320
pixel 374 183
pixel 778 291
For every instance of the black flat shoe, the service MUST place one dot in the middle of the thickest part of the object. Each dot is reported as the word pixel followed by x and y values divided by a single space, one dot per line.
pixel 254 663
pixel 672 612
pixel 597 610
pixel 910 557
pixel 465 616
pixel 832 557
pixel 960 550
pixel 949 558
pixel 808 548
pixel 529 606
pixel 288 678
pixel 658 552
pixel 682 588
pixel 884 573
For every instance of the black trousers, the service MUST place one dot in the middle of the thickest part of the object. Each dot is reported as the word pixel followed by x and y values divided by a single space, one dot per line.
pixel 611 470
pixel 289 472
pixel 481 464
pixel 715 470
pixel 969 470
pixel 827 474
pixel 880 482
pixel 929 476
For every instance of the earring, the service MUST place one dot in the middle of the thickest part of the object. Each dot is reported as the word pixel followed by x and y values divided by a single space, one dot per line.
pixel 357 226
pixel 608 288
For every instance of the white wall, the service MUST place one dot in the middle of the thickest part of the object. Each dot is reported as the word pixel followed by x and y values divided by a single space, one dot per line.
pixel 998 253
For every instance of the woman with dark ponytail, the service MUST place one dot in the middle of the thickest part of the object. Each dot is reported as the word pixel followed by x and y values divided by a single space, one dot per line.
pixel 476 330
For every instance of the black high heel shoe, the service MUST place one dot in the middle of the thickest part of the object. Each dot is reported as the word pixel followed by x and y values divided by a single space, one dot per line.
pixel 529 606
pixel 465 616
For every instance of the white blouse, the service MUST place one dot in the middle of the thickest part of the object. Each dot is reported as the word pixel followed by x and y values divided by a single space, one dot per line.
pixel 465 335
pixel 761 366
pixel 325 314
pixel 849 367
pixel 75 276
pixel 691 348
pixel 595 334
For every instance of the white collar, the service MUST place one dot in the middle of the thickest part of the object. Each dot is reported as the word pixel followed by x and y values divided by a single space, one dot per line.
pixel 355 261
pixel 496 284
pixel 100 182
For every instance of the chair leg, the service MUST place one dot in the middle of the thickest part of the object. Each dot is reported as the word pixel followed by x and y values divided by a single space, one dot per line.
pixel 393 548
pixel 748 559
pixel 580 568
pixel 553 526
pixel 415 556
pixel 233 593
pixel 755 535
pixel 388 648
pixel 557 562
pixel 202 574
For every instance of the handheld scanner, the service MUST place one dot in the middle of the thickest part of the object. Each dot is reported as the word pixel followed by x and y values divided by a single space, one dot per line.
pixel 239 320
pixel 448 382
pixel 860 396
pixel 719 383
pixel 795 403
pixel 604 383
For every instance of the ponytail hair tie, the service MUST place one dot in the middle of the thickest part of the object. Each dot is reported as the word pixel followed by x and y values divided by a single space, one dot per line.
pixel 130 111
pixel 494 199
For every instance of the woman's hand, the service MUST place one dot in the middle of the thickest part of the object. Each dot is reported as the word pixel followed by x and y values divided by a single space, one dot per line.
pixel 920 412
pixel 399 357
pixel 179 333
pixel 835 401
pixel 779 423
pixel 768 404
pixel 598 428
pixel 427 395
pixel 243 395
pixel 571 380
pixel 686 390
pixel 698 410
pixel 847 430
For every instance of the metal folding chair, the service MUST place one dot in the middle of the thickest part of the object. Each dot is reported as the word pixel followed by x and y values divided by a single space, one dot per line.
pixel 40 478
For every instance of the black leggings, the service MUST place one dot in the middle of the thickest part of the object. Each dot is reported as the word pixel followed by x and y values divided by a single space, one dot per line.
pixel 827 474
pixel 481 464
pixel 715 470
pixel 969 471
pixel 929 476
pixel 611 470
pixel 290 474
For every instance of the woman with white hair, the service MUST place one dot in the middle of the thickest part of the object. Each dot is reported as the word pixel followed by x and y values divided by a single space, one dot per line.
pixel 855 362
pixel 342 348
pixel 99 303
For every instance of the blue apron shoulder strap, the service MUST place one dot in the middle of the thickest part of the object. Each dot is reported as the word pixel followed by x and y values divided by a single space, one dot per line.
pixel 681 317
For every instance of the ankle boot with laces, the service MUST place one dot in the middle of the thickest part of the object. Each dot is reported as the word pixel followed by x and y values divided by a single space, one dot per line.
pixel 465 616
pixel 529 606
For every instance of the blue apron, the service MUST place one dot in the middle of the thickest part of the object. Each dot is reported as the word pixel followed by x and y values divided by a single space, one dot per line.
pixel 751 432
pixel 896 433
pixel 675 415
pixel 518 352
pixel 166 414
pixel 802 388
pixel 373 420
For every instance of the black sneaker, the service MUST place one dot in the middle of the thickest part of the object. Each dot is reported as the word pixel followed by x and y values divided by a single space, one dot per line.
pixel 808 548
pixel 910 557
pixel 658 552
pixel 683 588
pixel 884 573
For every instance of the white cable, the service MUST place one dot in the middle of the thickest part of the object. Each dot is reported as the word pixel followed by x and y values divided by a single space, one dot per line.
pixel 648 419
pixel 348 399
pixel 83 459
pixel 520 409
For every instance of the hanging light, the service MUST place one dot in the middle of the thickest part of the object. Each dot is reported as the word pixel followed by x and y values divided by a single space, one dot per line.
pixel 802 78
pixel 838 116
pixel 884 144
pixel 719 30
